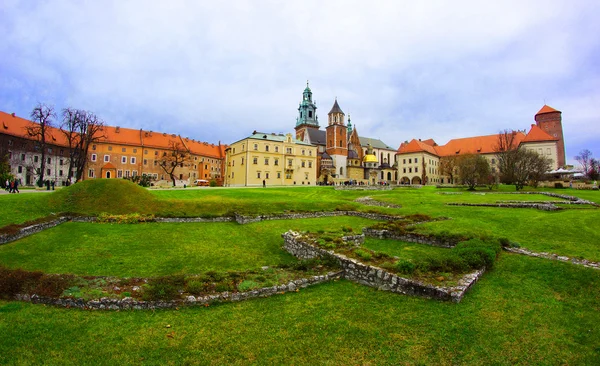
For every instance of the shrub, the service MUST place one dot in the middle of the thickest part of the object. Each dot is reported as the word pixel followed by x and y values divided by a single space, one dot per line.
pixel 214 276
pixel 14 281
pixel 363 254
pixel 347 229
pixel 406 267
pixel 478 253
pixel 52 285
pixel 195 287
pixel 247 285
pixel 212 183
pixel 224 286
pixel 504 242
pixel 163 288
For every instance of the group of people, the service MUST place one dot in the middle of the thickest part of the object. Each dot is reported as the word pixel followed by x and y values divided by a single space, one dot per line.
pixel 12 186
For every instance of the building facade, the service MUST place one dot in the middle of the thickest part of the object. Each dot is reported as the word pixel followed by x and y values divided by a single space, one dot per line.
pixel 270 159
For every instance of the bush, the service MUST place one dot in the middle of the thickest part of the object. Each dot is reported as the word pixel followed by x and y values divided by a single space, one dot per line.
pixel 163 288
pixel 406 267
pixel 15 281
pixel 212 183
pixel 504 242
pixel 363 254
pixel 477 253
pixel 195 287
pixel 247 285
pixel 52 285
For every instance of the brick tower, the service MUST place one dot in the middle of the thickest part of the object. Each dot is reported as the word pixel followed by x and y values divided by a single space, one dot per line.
pixel 550 121
pixel 337 139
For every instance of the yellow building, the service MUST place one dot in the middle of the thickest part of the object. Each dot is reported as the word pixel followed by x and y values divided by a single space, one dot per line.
pixel 270 159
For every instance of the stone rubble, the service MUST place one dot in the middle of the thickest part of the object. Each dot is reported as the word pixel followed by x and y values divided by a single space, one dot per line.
pixel 555 257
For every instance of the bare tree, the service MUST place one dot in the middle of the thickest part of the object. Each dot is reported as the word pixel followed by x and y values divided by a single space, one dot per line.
pixel 531 167
pixel 177 156
pixel 473 169
pixel 584 159
pixel 448 166
pixel 507 151
pixel 423 171
pixel 42 118
pixel 69 128
pixel 594 170
pixel 90 130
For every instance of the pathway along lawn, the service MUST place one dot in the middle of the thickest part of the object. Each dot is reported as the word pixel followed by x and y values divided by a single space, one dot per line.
pixel 525 311
pixel 156 249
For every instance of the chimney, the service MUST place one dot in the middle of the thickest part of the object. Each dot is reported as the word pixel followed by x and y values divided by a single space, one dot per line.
pixel 117 129
pixel 13 114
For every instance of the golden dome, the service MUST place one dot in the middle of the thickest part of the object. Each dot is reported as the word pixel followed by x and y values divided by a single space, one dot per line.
pixel 370 158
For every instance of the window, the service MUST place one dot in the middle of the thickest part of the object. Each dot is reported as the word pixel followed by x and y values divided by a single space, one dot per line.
pixel 303 152
pixel 410 170
pixel 266 161
pixel 119 174
pixel 61 162
pixel 127 173
pixel 276 148
pixel 49 160
pixel 145 161
pixel 278 175
pixel 267 175
pixel 267 148
pixel 232 174
pixel 309 152
pixel 276 162
pixel 493 161
pixel 288 150
pixel 20 169
pixel 255 146
pixel 290 162
pixel 303 164
pixel 548 151
pixel 145 152
pixel 155 162
pixel 93 148
pixel 23 158
pixel 233 163
pixel 309 114
pixel 123 159
pixel 242 161
pixel 288 175
pixel 156 153
pixel 134 151
pixel 255 160
pixel 109 148
pixel 416 160
pixel 410 161
pixel 416 170
pixel 132 160
pixel 48 171
pixel 106 158
pixel 94 157
pixel 123 150
pixel 91 173
pixel 403 170
pixel 310 164
pixel 134 173
pixel 404 162
pixel 258 175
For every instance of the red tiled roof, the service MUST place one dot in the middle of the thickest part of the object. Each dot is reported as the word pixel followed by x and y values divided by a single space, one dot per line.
pixel 416 146
pixel 109 166
pixel 546 109
pixel 17 126
pixel 536 134
pixel 429 142
pixel 474 145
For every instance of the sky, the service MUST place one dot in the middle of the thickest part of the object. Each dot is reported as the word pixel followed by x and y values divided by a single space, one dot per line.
pixel 218 70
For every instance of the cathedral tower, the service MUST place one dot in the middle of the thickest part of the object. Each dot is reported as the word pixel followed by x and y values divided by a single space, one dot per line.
pixel 307 114
pixel 337 139
pixel 550 121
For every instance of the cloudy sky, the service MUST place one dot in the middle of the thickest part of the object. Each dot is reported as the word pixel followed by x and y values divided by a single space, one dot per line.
pixel 217 70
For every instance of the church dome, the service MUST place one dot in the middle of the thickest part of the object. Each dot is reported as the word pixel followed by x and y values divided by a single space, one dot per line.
pixel 370 159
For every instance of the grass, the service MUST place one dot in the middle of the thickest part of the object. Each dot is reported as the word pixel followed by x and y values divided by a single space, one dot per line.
pixel 402 250
pixel 547 316
pixel 153 249
pixel 524 311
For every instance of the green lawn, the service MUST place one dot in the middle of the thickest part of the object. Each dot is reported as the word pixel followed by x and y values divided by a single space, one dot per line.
pixel 526 311
pixel 154 249
pixel 402 250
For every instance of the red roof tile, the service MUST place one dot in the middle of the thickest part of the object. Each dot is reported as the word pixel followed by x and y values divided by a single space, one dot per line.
pixel 474 145
pixel 546 109
pixel 416 146
pixel 17 126
pixel 536 134
pixel 429 142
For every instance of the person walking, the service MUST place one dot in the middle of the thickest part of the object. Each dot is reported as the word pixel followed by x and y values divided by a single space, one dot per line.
pixel 11 188
pixel 264 183
pixel 16 186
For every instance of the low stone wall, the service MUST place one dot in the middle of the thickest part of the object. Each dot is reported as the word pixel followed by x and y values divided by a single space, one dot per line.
pixel 364 188
pixel 129 303
pixel 555 257
pixel 543 207
pixel 369 201
pixel 242 220
pixel 379 278
pixel 32 229
pixel 410 237
pixel 194 219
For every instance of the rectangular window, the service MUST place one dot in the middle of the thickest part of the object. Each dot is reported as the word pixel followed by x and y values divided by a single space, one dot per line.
pixel 266 161
pixel 410 161
pixel 288 150
pixel 106 158
pixel 255 160
pixel 276 148
pixel 416 170
pixel 61 162
pixel 410 170
pixel 290 162
pixel 145 161
pixel 258 175
pixel 303 164
pixel 127 174
pixel 134 151
pixel 303 152
pixel 267 148
pixel 91 173
pixel 119 174
pixel 310 164
pixel 267 175
pixel 416 160
pixel 109 148
pixel 309 152
pixel 20 169
pixel 134 173
pixel 60 173
pixel 48 171
pixel 23 158
pixel 124 159
pixel 49 160
pixel 255 146
pixel 155 162
pixel 278 175
pixel 242 161
pixel 145 152
pixel 548 151
pixel 276 163
pixel 93 147
pixel 132 160
pixel 123 150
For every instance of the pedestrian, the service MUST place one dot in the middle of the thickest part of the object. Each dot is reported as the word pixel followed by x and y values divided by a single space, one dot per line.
pixel 16 190
pixel 12 187
pixel 264 183
pixel 7 186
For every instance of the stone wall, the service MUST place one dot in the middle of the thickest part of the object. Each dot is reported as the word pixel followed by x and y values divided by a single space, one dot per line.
pixel 539 206
pixel 556 257
pixel 242 220
pixel 377 277
pixel 32 229
pixel 364 188
pixel 129 303
pixel 409 237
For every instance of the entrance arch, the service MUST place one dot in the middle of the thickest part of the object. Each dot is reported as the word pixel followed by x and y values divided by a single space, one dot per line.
pixel 108 175
pixel 416 180
pixel 405 180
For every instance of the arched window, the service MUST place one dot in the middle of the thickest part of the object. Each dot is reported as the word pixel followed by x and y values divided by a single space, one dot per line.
pixel 108 175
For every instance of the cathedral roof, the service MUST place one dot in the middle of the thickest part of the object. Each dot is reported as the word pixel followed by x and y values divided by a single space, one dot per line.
pixel 370 158
pixel 317 137
pixel 336 108
pixel 352 154
pixel 375 143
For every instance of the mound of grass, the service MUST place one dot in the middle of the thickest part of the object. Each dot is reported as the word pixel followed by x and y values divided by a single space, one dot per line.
pixel 115 196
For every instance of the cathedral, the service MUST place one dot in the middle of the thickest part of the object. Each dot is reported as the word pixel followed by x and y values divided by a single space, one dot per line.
pixel 343 155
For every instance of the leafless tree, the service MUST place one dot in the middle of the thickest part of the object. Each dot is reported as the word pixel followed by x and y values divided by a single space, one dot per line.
pixel 531 167
pixel 448 166
pixel 176 156
pixel 473 169
pixel 423 171
pixel 507 151
pixel 42 118
pixel 584 159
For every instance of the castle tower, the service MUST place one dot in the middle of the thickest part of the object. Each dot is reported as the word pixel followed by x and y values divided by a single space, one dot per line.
pixel 550 121
pixel 307 114
pixel 336 139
